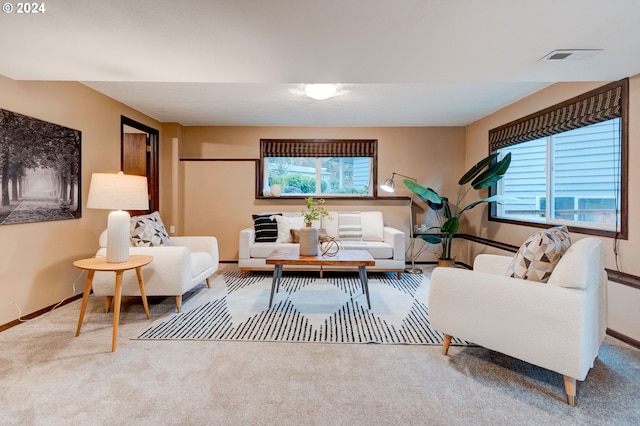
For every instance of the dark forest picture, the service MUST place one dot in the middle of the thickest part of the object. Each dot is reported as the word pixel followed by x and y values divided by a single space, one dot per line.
pixel 39 170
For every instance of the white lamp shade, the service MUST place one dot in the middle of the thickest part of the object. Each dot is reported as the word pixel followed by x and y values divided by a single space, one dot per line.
pixel 118 192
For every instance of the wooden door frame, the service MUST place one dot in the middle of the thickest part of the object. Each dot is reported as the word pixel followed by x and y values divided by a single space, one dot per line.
pixel 153 173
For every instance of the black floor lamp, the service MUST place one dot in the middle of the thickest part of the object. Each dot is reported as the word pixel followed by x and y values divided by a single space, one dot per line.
pixel 389 185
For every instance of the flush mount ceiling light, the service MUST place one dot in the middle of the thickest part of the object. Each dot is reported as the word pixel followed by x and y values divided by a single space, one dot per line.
pixel 570 54
pixel 320 91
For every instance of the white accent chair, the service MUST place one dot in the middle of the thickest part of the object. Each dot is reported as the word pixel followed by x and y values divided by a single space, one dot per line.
pixel 175 269
pixel 558 325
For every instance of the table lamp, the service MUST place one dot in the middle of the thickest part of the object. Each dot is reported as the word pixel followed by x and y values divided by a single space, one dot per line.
pixel 389 185
pixel 118 192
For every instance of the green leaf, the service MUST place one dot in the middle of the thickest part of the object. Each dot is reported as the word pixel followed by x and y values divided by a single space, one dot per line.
pixel 426 194
pixel 486 200
pixel 431 239
pixel 451 226
pixel 475 170
pixel 492 174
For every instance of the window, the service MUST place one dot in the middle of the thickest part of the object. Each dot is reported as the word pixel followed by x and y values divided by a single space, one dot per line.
pixel 568 165
pixel 326 168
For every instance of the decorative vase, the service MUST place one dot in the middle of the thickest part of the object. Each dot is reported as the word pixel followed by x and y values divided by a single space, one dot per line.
pixel 276 190
pixel 308 241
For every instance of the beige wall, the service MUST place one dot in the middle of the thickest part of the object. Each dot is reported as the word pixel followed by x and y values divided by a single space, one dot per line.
pixel 624 314
pixel 35 258
pixel 218 199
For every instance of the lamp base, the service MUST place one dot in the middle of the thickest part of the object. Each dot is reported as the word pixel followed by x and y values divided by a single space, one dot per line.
pixel 118 234
pixel 413 270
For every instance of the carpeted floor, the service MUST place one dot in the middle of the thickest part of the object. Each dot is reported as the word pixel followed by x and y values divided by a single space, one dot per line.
pixel 50 377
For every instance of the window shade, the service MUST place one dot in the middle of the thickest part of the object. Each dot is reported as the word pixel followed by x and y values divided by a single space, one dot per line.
pixel 317 148
pixel 593 107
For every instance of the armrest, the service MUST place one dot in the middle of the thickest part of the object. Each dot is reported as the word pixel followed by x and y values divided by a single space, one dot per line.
pixel 492 263
pixel 396 239
pixel 171 264
pixel 206 244
pixel 247 238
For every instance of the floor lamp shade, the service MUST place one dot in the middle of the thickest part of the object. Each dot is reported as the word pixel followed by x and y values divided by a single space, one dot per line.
pixel 118 192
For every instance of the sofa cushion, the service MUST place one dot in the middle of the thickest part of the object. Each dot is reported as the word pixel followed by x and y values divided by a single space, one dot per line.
pixel 539 254
pixel 372 226
pixel 148 231
pixel 377 249
pixel 285 225
pixel 349 226
pixel 266 227
pixel 263 250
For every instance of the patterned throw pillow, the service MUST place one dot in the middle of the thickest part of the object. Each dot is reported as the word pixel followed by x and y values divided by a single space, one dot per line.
pixel 148 231
pixel 539 254
pixel 349 226
pixel 266 227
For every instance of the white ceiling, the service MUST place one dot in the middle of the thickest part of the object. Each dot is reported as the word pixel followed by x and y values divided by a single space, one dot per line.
pixel 244 62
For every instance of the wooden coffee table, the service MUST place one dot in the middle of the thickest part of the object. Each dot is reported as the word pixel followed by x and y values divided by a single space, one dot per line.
pixel 359 258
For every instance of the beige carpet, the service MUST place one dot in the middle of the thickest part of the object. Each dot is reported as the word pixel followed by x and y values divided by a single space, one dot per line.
pixel 50 377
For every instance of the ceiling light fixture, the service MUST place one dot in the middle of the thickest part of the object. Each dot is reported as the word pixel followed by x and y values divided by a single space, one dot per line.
pixel 320 91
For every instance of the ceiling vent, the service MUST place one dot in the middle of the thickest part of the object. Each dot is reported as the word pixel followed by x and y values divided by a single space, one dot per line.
pixel 570 54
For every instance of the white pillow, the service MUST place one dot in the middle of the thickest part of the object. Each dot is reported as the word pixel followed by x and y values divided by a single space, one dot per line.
pixel 285 225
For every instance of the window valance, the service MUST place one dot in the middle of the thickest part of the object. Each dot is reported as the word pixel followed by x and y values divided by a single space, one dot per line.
pixel 598 105
pixel 317 148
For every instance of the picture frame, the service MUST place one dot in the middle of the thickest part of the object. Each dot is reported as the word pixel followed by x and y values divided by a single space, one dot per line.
pixel 40 170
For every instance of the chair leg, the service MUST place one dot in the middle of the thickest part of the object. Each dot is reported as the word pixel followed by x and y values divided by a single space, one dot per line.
pixel 179 303
pixel 445 344
pixel 107 304
pixel 208 282
pixel 570 389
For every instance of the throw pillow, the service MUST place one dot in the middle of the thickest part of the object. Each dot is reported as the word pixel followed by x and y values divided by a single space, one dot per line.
pixel 148 231
pixel 349 226
pixel 285 225
pixel 539 254
pixel 295 235
pixel 266 227
pixel 323 237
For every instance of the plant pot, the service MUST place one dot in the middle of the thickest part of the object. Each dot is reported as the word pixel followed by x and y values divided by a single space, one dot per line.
pixel 446 263
pixel 308 241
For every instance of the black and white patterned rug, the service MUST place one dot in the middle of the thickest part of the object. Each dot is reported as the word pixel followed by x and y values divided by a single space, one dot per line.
pixel 307 308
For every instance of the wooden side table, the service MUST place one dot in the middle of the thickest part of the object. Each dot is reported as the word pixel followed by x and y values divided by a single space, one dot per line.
pixel 94 264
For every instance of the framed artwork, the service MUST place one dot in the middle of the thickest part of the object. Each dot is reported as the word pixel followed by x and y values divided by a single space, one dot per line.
pixel 39 170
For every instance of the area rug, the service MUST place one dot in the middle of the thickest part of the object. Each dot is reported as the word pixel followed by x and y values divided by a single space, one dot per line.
pixel 308 308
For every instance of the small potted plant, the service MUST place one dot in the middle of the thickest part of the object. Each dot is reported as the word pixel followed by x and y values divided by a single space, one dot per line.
pixel 309 234
pixel 315 210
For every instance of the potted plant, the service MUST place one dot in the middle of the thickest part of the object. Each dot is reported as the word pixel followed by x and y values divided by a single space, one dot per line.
pixel 482 175
pixel 315 210
pixel 308 234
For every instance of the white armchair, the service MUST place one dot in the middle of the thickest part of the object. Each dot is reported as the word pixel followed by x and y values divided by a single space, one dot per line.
pixel 558 325
pixel 175 269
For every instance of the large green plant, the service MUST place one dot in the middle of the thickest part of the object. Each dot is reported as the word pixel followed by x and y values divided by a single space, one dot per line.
pixel 484 174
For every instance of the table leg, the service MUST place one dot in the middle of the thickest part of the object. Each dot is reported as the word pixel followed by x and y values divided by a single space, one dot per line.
pixel 142 292
pixel 277 273
pixel 85 298
pixel 116 309
pixel 362 270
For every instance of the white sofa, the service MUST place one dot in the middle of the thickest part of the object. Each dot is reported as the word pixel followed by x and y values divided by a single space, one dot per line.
pixel 558 325
pixel 175 269
pixel 385 244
